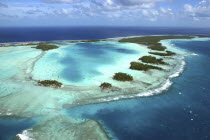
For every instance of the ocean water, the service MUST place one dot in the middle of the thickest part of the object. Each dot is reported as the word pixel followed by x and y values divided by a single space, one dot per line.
pixel 10 127
pixel 20 34
pixel 181 113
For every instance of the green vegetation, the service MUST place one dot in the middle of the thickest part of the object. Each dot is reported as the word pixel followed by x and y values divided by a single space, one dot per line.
pixel 50 83
pixel 157 47
pixel 203 35
pixel 143 67
pixel 105 85
pixel 122 77
pixel 153 60
pixel 168 53
pixel 153 41
pixel 46 46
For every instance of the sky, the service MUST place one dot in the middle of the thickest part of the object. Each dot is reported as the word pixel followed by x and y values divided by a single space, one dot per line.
pixel 178 13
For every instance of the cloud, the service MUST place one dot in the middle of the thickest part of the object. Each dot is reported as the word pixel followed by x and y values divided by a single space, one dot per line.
pixel 94 11
pixel 136 2
pixel 62 11
pixel 3 5
pixel 109 2
pixel 33 11
pixel 202 2
pixel 201 10
pixel 109 8
pixel 188 8
pixel 151 14
pixel 166 11
pixel 113 4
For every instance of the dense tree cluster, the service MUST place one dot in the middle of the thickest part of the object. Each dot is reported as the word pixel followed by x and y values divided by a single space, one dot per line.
pixel 142 67
pixel 122 77
pixel 46 46
pixel 168 53
pixel 105 85
pixel 152 41
pixel 152 59
pixel 50 83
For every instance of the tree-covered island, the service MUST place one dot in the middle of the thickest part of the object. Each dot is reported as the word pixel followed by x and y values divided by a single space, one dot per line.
pixel 105 85
pixel 142 67
pixel 157 47
pixel 152 41
pixel 50 83
pixel 122 77
pixel 153 60
pixel 168 53
pixel 46 46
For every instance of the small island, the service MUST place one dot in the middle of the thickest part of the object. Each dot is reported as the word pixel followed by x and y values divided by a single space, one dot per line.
pixel 122 77
pixel 152 41
pixel 105 85
pixel 50 83
pixel 153 60
pixel 168 53
pixel 157 47
pixel 142 67
pixel 46 46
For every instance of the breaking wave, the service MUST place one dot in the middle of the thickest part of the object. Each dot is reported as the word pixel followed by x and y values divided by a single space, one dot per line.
pixel 25 135
pixel 179 71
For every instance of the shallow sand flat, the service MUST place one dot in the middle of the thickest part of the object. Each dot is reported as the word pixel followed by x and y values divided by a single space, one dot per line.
pixel 65 128
pixel 15 61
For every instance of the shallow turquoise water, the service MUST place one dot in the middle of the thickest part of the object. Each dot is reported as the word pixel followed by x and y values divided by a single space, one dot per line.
pixel 77 63
pixel 87 58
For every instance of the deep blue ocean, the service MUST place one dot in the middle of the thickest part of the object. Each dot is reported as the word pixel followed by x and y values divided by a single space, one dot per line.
pixel 79 33
pixel 181 113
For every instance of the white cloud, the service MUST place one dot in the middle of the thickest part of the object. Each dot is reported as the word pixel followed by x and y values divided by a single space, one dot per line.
pixel 188 8
pixel 200 11
pixel 202 2
pixel 135 2
pixel 62 11
pixel 166 11
pixel 114 10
